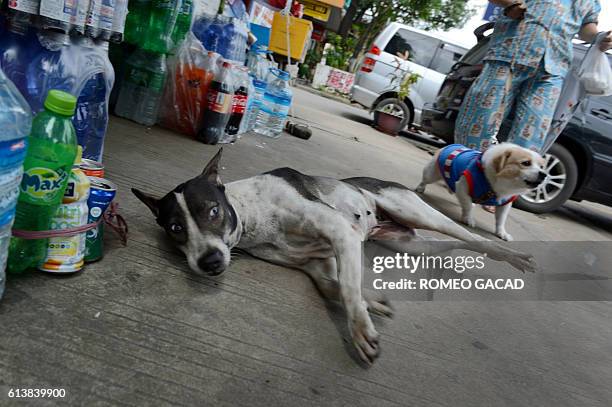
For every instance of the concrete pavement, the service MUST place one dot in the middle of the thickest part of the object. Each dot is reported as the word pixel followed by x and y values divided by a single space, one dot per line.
pixel 138 328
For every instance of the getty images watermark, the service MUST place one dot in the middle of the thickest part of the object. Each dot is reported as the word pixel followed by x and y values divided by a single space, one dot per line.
pixel 446 271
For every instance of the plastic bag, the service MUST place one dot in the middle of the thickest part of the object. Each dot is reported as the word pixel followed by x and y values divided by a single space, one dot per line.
pixel 595 73
pixel 190 72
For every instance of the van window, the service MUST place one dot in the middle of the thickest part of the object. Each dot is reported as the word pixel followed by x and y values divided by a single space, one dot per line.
pixel 418 47
pixel 445 58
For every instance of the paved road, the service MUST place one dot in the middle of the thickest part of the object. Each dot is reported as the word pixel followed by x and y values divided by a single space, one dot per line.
pixel 138 328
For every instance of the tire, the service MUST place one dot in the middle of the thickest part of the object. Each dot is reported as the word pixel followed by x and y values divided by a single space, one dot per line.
pixel 559 184
pixel 394 106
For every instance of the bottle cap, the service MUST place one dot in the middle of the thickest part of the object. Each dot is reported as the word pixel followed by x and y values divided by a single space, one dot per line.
pixel 60 102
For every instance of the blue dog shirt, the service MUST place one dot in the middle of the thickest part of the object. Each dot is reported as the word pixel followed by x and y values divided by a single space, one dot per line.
pixel 456 160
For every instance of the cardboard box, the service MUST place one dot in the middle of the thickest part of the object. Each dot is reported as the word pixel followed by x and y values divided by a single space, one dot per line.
pixel 300 31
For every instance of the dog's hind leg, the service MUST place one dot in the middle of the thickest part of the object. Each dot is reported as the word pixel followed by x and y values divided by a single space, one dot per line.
pixel 406 208
pixel 324 274
pixel 431 174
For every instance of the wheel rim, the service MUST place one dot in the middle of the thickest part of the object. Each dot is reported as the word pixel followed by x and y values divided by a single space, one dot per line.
pixel 553 184
pixel 393 110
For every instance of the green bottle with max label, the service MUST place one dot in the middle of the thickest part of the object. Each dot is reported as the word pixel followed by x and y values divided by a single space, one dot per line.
pixel 52 149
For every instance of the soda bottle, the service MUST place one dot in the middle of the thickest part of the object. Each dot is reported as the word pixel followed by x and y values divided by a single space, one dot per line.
pixel 137 21
pixel 15 123
pixel 239 101
pixel 158 35
pixel 192 80
pixel 21 13
pixel 58 15
pixel 66 254
pixel 183 22
pixel 52 148
pixel 142 87
pixel 218 109
pixel 274 108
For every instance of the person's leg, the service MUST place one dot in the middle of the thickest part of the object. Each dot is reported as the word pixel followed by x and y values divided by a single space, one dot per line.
pixel 485 105
pixel 535 107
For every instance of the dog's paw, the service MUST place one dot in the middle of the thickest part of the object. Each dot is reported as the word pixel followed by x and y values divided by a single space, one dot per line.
pixel 525 263
pixel 504 236
pixel 420 189
pixel 469 221
pixel 380 307
pixel 365 339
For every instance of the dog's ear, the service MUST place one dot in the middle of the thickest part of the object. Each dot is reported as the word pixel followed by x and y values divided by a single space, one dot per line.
pixel 500 161
pixel 211 172
pixel 149 200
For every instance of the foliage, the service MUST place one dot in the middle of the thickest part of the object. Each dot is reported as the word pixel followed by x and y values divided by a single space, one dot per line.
pixel 403 79
pixel 307 68
pixel 339 54
pixel 371 16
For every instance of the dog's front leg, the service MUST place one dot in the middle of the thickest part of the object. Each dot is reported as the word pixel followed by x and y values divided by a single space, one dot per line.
pixel 501 214
pixel 465 201
pixel 348 257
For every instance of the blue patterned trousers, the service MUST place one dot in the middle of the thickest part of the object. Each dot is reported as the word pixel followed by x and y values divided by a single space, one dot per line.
pixel 533 92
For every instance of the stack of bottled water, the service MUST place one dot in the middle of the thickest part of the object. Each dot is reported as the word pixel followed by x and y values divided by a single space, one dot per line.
pixel 37 62
pixel 224 35
pixel 274 107
pixel 15 123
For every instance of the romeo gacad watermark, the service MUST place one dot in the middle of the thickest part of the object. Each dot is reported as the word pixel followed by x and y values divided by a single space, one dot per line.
pixel 447 271
pixel 459 264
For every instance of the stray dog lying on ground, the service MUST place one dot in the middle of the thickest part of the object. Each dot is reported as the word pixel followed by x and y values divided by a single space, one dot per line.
pixel 495 177
pixel 315 224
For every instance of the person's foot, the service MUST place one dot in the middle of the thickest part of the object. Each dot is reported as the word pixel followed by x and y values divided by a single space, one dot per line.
pixel 488 208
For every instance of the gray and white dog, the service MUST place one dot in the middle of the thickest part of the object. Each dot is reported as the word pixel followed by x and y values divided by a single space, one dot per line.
pixel 315 224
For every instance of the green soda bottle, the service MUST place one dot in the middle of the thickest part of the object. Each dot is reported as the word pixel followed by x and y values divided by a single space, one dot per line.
pixel 183 22
pixel 162 20
pixel 136 21
pixel 52 149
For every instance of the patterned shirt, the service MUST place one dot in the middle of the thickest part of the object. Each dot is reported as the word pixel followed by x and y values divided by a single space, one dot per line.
pixel 545 33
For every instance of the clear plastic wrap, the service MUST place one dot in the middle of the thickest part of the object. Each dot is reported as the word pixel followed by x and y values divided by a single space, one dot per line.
pixel 190 72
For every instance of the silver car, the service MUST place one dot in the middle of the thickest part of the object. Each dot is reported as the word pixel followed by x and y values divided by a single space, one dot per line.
pixel 397 50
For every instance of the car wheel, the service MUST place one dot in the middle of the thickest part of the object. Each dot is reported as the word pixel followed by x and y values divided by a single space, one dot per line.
pixel 558 186
pixel 393 107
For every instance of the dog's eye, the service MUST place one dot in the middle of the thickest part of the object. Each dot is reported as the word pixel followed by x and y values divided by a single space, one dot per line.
pixel 214 211
pixel 526 163
pixel 176 228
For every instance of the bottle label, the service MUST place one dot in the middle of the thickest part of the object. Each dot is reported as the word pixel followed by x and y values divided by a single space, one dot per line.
pixel 27 6
pixel 64 252
pixel 60 10
pixel 107 12
pixel 239 103
pixel 9 192
pixel 219 102
pixel 43 186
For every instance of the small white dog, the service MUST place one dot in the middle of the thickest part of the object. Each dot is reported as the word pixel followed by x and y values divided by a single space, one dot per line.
pixel 495 177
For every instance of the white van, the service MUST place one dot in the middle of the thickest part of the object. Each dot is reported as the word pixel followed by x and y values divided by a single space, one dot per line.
pixel 429 56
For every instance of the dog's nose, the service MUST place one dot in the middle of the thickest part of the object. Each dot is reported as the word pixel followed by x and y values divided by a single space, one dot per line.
pixel 211 261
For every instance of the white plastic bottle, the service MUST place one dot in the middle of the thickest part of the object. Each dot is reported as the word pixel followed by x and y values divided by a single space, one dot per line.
pixel 274 108
pixel 15 123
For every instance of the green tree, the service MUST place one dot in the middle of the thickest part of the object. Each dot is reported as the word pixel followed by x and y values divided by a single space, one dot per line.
pixel 367 18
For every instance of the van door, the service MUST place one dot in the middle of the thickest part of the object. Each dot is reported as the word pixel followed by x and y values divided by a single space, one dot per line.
pixel 597 132
pixel 406 51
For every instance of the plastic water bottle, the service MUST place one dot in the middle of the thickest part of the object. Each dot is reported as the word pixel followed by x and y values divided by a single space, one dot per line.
pixel 137 21
pixel 91 116
pixel 66 254
pixel 52 148
pixel 49 69
pixel 16 52
pixel 15 123
pixel 121 11
pixel 255 101
pixel 142 87
pixel 235 35
pixel 275 105
pixel 214 37
pixel 21 13
pixel 200 26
